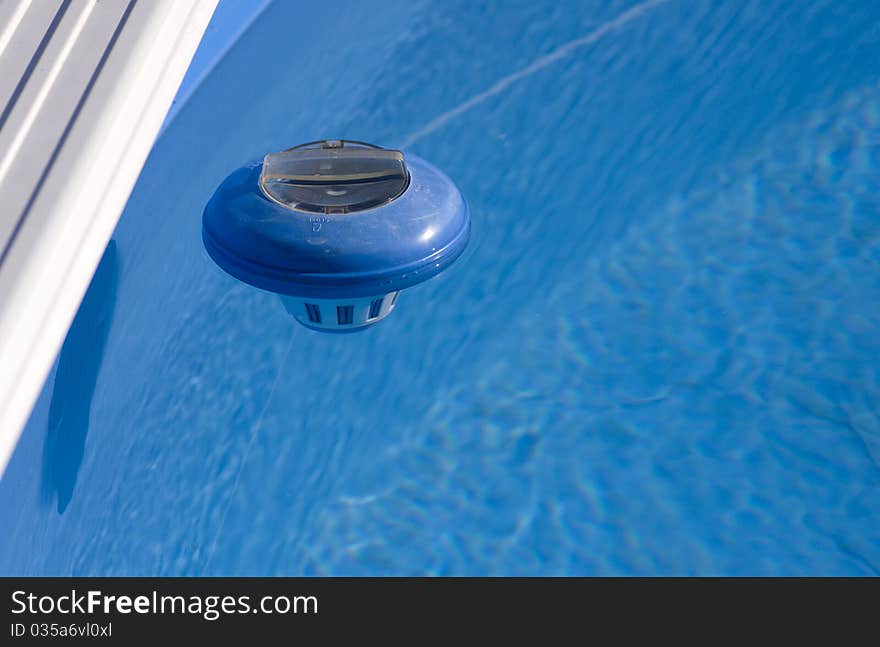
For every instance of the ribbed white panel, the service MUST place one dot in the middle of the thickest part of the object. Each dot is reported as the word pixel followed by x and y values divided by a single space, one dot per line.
pixel 84 87
pixel 340 315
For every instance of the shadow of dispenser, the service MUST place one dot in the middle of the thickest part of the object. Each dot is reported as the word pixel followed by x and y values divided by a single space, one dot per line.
pixel 337 229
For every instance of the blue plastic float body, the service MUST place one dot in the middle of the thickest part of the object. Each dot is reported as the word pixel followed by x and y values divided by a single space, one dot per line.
pixel 341 255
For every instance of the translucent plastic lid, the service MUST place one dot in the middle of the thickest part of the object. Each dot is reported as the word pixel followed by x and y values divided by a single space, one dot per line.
pixel 334 176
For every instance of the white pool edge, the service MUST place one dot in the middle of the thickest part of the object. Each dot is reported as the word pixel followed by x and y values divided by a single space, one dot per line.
pixel 59 238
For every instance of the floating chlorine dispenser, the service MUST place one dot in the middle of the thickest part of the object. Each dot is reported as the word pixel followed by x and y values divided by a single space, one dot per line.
pixel 337 229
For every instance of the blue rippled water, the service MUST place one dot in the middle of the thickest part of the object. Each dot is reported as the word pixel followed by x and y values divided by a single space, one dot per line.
pixel 658 355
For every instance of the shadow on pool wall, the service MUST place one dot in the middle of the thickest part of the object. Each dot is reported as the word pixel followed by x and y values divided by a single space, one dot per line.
pixel 78 366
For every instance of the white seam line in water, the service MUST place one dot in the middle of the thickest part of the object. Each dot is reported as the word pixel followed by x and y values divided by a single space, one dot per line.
pixel 45 89
pixel 538 64
pixel 244 457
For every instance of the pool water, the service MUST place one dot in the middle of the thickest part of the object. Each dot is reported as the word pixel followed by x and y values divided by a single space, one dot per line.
pixel 657 356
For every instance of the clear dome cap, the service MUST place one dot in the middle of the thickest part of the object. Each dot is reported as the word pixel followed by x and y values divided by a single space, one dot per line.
pixel 334 176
